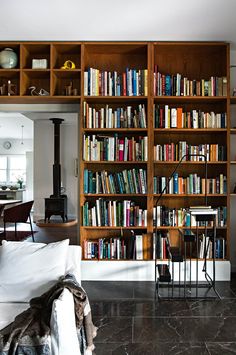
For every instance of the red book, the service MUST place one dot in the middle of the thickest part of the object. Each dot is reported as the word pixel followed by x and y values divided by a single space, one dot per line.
pixel 124 84
pixel 121 149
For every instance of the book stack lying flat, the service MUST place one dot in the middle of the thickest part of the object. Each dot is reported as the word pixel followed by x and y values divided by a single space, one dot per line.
pixel 202 210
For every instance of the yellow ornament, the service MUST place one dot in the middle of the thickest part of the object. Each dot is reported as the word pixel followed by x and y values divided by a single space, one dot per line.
pixel 68 65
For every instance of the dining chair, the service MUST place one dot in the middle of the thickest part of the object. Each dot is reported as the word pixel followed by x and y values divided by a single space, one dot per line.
pixel 18 214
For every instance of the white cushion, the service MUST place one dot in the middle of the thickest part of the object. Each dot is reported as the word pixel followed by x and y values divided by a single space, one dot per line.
pixel 29 269
pixel 8 312
pixel 64 338
pixel 73 262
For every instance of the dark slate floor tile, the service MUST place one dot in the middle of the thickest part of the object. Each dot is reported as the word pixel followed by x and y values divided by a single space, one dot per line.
pixel 140 308
pixel 113 329
pixel 151 349
pixel 225 290
pixel 177 329
pixel 99 290
pixel 113 308
pixel 221 348
pixel 144 290
pixel 209 308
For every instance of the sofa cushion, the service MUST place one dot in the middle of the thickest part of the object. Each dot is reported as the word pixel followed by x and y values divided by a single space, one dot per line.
pixel 29 269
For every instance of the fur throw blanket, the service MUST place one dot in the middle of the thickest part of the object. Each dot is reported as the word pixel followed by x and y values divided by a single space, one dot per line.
pixel 29 333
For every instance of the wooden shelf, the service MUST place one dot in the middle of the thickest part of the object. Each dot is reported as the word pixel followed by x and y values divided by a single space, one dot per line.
pixel 193 60
pixel 190 162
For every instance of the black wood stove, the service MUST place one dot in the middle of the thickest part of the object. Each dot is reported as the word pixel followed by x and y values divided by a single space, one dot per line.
pixel 56 204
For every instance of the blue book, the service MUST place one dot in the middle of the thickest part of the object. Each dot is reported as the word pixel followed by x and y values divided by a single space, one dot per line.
pixel 134 82
pixel 85 181
pixel 168 85
pixel 175 184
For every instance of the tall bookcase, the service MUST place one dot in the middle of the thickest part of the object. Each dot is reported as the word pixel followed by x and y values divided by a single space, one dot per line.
pixel 204 89
pixel 125 89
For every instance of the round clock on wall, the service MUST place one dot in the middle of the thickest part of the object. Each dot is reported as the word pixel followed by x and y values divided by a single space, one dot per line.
pixel 7 145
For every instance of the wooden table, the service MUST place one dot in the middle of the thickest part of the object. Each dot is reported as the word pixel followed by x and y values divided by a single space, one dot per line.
pixel 9 202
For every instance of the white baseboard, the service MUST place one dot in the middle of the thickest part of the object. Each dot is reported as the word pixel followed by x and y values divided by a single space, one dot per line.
pixel 134 270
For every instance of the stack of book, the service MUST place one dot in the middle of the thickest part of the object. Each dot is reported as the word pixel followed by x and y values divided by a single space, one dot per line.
pixel 193 184
pixel 175 117
pixel 114 213
pixel 132 82
pixel 119 117
pixel 128 181
pixel 114 148
pixel 177 85
pixel 175 151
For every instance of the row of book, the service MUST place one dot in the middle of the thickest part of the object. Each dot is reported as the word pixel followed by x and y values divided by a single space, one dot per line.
pixel 115 248
pixel 161 246
pixel 118 117
pixel 128 181
pixel 175 151
pixel 179 85
pixel 113 148
pixel 175 117
pixel 132 82
pixel 192 184
pixel 182 217
pixel 124 213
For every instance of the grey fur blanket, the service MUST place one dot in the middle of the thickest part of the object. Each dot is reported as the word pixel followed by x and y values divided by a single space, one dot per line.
pixel 29 333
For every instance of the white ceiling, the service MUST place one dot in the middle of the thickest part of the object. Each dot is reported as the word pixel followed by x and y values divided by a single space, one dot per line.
pixel 175 20
pixel 118 20
pixel 11 126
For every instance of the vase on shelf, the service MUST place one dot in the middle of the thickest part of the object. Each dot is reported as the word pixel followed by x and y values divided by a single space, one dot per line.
pixel 8 58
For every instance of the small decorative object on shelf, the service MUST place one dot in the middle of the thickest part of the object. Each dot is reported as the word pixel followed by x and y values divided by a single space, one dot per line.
pixel 35 92
pixel 234 91
pixel 8 89
pixel 8 58
pixel 69 91
pixel 68 65
pixel 39 63
pixel 11 88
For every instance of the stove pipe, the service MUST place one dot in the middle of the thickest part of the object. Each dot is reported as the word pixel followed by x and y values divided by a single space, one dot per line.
pixel 56 165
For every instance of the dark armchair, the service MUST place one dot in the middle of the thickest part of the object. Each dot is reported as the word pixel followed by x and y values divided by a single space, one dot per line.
pixel 18 214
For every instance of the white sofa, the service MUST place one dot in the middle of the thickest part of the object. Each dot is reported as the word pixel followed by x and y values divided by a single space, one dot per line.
pixel 61 343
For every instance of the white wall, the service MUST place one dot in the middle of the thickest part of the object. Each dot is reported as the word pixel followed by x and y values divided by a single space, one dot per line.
pixel 44 158
pixel 118 20
pixel 16 146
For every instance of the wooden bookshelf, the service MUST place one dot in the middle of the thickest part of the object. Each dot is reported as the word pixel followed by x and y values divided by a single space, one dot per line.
pixel 52 78
pixel 193 60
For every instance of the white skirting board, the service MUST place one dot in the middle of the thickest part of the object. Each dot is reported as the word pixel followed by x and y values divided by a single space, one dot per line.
pixel 145 270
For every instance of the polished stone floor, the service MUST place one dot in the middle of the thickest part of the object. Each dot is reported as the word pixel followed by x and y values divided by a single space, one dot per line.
pixel 131 321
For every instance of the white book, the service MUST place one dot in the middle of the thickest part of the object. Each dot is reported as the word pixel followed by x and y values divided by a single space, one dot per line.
pixel 154 246
pixel 145 148
pixel 167 116
pixel 118 248
pixel 98 212
pixel 173 115
pixel 85 83
pixel 195 119
pixel 139 247
pixel 114 212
